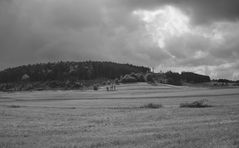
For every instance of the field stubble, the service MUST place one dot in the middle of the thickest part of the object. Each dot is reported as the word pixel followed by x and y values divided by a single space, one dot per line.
pixel 116 119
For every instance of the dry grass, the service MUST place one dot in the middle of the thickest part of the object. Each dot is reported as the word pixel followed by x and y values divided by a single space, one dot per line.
pixel 196 104
pixel 152 105
pixel 73 119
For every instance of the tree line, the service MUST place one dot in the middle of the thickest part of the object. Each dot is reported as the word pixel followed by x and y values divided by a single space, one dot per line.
pixel 73 71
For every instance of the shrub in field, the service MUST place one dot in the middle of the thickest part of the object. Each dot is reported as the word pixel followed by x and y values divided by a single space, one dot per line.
pixel 95 87
pixel 116 81
pixel 149 78
pixel 152 105
pixel 14 106
pixel 53 84
pixel 138 76
pixel 196 104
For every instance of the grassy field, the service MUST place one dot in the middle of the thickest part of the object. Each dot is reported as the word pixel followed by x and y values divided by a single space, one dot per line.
pixel 92 119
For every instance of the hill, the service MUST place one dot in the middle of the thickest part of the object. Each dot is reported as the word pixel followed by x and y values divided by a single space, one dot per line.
pixel 64 75
pixel 84 75
pixel 72 71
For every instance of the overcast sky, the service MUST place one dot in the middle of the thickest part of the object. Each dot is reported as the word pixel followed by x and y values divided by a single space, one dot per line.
pixel 179 35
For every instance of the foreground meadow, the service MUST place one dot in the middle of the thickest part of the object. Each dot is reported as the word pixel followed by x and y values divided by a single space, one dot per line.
pixel 92 119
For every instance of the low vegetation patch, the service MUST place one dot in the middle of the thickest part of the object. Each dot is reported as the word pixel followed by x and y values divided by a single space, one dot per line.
pixel 196 104
pixel 95 87
pixel 14 106
pixel 152 105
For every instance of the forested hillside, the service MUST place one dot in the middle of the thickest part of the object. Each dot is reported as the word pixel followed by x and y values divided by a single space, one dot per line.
pixel 80 75
pixel 73 71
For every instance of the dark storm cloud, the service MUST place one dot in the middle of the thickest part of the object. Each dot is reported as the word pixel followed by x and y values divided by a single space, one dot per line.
pixel 51 30
pixel 33 30
pixel 201 11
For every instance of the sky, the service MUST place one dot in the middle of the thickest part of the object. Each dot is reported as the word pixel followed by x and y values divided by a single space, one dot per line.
pixel 200 36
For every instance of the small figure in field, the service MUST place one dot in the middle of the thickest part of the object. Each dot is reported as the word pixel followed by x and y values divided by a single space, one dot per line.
pixel 111 87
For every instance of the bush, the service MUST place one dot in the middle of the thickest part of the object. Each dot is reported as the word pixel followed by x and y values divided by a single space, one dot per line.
pixel 116 81
pixel 140 77
pixel 77 85
pixel 149 78
pixel 14 106
pixel 52 84
pixel 174 82
pixel 28 86
pixel 95 87
pixel 196 104
pixel 152 105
